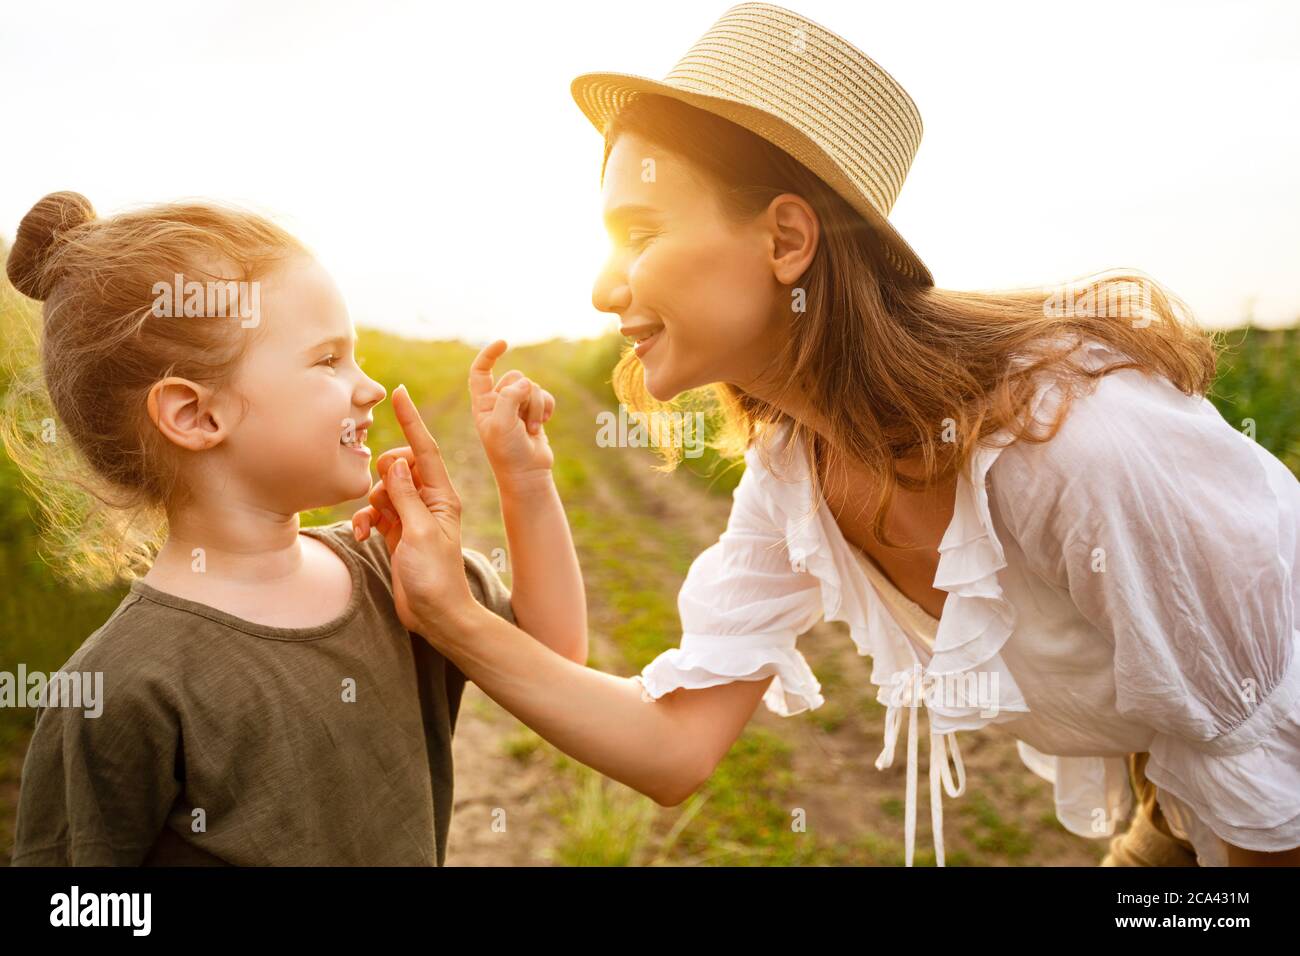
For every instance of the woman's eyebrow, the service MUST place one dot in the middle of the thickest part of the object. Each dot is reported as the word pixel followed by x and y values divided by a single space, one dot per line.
pixel 627 211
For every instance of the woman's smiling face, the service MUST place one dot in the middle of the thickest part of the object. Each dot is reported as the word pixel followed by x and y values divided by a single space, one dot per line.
pixel 680 269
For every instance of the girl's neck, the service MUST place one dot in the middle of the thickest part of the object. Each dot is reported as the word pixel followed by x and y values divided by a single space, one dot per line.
pixel 234 542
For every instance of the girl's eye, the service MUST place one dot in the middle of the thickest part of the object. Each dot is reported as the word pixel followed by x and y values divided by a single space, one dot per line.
pixel 328 360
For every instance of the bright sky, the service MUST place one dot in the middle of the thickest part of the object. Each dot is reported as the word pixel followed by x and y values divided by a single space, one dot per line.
pixel 433 157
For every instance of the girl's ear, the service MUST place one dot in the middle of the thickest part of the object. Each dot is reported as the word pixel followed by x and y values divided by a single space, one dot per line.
pixel 185 414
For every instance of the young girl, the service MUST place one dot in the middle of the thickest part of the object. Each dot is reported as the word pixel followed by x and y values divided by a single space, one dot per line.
pixel 262 703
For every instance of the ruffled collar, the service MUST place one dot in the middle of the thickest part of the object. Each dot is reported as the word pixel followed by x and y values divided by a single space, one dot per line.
pixel 977 619
pixel 974 687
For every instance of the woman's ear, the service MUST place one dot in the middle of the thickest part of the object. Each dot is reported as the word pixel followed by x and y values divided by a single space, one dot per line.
pixel 185 413
pixel 794 232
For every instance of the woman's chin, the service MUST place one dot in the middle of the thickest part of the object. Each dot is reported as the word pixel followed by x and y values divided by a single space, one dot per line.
pixel 658 383
pixel 664 384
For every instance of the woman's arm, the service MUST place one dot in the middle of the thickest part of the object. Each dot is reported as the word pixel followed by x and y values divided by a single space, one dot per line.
pixel 665 749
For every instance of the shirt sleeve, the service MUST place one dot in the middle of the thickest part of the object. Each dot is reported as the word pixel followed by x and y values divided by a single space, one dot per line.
pixel 742 607
pixel 97 790
pixel 486 585
pixel 1175 536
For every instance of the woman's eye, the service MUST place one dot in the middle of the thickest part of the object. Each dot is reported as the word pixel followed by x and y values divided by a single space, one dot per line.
pixel 638 237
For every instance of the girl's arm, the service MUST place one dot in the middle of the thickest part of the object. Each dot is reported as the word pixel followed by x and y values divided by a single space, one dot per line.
pixel 546 587
pixel 547 592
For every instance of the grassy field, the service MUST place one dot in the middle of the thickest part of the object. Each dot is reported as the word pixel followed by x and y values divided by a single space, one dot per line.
pixel 637 532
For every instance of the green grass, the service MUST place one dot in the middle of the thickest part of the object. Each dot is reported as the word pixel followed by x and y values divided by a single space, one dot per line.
pixel 1256 382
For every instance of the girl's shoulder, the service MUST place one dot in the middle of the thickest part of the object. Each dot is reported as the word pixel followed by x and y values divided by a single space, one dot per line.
pixel 126 651
pixel 485 583
pixel 372 552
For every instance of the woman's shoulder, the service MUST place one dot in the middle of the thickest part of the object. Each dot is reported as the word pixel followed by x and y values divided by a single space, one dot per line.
pixel 1134 452
pixel 1125 420
pixel 776 463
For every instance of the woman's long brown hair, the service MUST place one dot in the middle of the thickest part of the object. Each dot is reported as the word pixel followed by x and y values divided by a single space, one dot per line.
pixel 901 373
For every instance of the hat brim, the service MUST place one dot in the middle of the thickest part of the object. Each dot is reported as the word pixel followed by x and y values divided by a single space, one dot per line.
pixel 601 96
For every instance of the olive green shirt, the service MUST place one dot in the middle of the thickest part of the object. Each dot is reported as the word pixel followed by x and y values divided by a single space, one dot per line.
pixel 222 741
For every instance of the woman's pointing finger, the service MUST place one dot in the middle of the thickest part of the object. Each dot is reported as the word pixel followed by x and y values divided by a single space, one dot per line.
pixel 428 458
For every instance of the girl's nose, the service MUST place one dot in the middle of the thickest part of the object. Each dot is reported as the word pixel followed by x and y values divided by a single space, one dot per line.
pixel 370 393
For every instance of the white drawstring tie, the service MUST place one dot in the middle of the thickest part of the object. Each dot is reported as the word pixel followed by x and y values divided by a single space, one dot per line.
pixel 909 694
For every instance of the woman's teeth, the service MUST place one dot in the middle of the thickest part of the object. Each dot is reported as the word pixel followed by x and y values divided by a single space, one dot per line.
pixel 646 342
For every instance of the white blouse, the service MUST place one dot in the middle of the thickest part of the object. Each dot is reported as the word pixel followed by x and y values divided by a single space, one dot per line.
pixel 1127 586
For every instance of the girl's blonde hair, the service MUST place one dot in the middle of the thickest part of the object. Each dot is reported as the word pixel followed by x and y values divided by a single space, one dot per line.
pixel 76 420
pixel 887 363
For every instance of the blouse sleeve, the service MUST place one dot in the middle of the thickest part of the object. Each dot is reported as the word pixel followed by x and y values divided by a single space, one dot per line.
pixel 1175 535
pixel 742 607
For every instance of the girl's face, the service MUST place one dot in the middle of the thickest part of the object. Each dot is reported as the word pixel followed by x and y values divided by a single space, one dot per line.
pixel 680 269
pixel 299 402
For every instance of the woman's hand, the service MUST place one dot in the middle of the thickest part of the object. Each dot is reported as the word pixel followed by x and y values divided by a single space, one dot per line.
pixel 429 582
pixel 509 415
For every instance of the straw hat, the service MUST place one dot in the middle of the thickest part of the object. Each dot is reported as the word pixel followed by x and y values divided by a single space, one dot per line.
pixel 802 88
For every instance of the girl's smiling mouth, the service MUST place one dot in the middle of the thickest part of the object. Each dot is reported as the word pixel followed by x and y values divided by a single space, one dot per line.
pixel 354 439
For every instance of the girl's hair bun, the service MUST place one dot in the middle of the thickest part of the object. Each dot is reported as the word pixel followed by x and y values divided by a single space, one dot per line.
pixel 30 268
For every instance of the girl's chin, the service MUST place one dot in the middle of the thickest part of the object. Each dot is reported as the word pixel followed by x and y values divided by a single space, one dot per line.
pixel 358 487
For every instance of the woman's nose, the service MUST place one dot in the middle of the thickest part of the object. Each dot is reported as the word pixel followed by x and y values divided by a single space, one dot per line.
pixel 610 293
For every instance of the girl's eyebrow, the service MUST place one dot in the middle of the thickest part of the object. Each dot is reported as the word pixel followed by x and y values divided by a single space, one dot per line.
pixel 337 340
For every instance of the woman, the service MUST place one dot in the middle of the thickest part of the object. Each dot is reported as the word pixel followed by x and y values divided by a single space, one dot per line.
pixel 1022 506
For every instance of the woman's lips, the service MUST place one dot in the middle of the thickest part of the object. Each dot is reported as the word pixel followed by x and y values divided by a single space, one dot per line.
pixel 645 345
